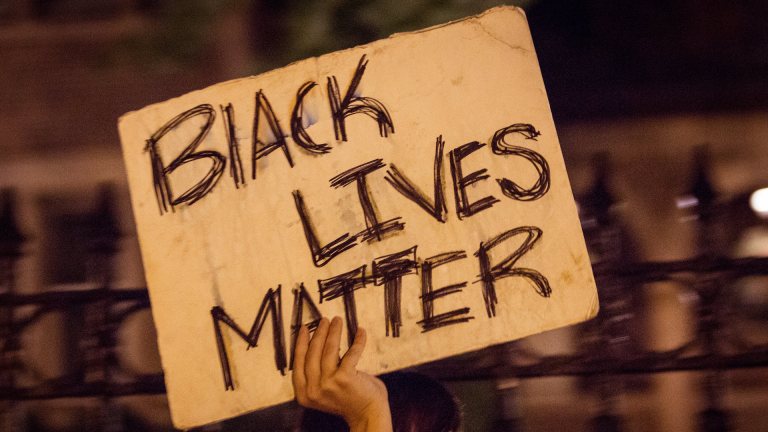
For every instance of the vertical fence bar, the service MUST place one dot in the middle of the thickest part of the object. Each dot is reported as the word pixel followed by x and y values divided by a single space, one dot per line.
pixel 11 241
pixel 714 418
pixel 606 334
pixel 102 248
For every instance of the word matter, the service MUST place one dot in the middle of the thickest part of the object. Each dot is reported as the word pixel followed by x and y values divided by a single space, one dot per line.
pixel 387 271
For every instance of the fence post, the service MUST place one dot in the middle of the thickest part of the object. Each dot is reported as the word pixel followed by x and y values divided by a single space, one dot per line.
pixel 714 418
pixel 11 241
pixel 101 324
pixel 606 338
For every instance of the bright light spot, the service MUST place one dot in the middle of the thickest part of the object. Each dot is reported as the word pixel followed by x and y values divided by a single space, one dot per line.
pixel 686 201
pixel 759 202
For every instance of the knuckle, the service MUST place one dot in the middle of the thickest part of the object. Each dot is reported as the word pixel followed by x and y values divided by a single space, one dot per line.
pixel 343 379
pixel 327 385
pixel 313 394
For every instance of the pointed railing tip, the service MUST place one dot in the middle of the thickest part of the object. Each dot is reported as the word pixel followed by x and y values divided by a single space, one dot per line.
pixel 701 186
pixel 11 238
pixel 597 203
pixel 105 230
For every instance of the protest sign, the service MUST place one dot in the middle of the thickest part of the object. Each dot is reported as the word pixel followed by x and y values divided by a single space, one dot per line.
pixel 414 186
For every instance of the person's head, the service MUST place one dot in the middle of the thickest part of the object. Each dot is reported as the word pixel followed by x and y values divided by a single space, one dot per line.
pixel 418 404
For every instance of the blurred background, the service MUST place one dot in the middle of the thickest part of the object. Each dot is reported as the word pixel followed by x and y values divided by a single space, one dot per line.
pixel 662 113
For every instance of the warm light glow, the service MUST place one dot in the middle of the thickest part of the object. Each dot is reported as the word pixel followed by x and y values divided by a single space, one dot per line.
pixel 759 202
pixel 686 201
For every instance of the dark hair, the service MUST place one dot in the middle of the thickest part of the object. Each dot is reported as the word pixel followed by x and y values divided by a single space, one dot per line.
pixel 417 402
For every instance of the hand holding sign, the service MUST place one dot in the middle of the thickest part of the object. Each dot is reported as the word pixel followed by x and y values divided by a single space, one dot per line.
pixel 324 382
pixel 418 191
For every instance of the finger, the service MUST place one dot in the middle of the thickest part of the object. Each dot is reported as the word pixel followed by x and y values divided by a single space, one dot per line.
pixel 299 352
pixel 330 360
pixel 352 357
pixel 314 351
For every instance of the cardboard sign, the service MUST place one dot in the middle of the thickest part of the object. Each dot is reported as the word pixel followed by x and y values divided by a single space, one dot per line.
pixel 413 186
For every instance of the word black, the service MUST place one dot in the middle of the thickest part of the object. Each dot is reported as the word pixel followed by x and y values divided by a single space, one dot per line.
pixel 341 109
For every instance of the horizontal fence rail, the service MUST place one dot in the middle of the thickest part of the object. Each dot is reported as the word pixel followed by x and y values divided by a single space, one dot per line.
pixel 606 348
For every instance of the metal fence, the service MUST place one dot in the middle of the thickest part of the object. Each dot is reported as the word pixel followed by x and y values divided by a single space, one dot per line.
pixel 610 355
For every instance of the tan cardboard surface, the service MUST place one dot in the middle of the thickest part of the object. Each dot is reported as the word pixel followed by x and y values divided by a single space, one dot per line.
pixel 420 102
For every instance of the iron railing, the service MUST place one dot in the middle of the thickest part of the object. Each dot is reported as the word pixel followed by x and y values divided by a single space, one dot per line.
pixel 610 350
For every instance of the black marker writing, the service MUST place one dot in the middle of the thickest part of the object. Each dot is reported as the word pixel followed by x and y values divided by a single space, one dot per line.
pixel 235 164
pixel 160 172
pixel 272 305
pixel 410 191
pixel 500 147
pixel 429 294
pixel 298 133
pixel 261 148
pixel 506 268
pixel 460 182
pixel 389 270
pixel 352 104
pixel 301 299
pixel 320 254
pixel 373 228
pixel 344 286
